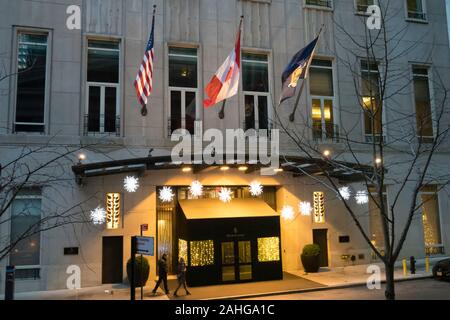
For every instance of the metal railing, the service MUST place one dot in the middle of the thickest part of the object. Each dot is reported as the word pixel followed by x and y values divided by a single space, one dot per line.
pixel 320 3
pixel 327 133
pixel 100 125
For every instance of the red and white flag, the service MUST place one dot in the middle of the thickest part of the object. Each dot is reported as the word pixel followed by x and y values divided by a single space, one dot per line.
pixel 225 83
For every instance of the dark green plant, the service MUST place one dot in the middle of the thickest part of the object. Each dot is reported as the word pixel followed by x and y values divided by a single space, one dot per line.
pixel 311 250
pixel 141 271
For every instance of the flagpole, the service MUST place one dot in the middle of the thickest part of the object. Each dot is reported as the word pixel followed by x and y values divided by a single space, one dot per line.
pixel 292 115
pixel 144 107
pixel 222 109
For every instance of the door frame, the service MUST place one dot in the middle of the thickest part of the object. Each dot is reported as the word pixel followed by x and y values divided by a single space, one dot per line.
pixel 103 259
pixel 326 255
pixel 236 263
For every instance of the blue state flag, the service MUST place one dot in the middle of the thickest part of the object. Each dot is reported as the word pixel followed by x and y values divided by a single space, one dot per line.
pixel 297 69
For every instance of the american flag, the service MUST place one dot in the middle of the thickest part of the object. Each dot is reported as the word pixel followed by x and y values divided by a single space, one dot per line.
pixel 144 83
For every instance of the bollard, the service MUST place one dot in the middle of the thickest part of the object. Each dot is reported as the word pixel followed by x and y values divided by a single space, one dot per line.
pixel 412 264
pixel 427 264
pixel 405 269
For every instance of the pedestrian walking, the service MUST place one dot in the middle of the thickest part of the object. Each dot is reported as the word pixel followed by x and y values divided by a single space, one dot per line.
pixel 181 276
pixel 162 274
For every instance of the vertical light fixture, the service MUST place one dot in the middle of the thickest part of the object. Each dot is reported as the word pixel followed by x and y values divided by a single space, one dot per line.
pixel 319 207
pixel 112 210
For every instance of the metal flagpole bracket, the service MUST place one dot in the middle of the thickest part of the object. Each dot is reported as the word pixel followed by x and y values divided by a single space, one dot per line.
pixel 222 111
pixel 144 110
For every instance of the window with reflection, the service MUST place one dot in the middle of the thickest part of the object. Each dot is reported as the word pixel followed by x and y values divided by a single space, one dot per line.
pixel 103 106
pixel 424 115
pixel 431 220
pixel 370 91
pixel 362 5
pixel 31 82
pixel 322 93
pixel 255 78
pixel 416 9
pixel 25 228
pixel 183 92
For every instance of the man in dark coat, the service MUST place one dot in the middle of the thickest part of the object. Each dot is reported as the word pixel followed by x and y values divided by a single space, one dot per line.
pixel 162 274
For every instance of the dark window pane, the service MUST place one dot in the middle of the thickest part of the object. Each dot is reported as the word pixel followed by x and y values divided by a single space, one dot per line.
pixel 263 119
pixel 94 109
pixel 255 72
pixel 26 214
pixel 183 67
pixel 32 62
pixel 423 106
pixel 249 112
pixel 175 110
pixel 110 109
pixel 317 119
pixel 190 111
pixel 321 81
pixel 103 62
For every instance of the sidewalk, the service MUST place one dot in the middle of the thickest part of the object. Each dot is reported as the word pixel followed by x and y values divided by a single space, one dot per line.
pixel 295 281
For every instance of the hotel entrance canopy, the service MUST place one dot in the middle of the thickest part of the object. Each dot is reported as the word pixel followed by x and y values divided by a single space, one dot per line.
pixel 216 209
pixel 298 166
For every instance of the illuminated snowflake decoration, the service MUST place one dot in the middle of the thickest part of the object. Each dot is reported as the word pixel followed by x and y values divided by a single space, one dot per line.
pixel 225 194
pixel 305 208
pixel 98 215
pixel 287 213
pixel 345 193
pixel 255 188
pixel 166 194
pixel 362 197
pixel 131 184
pixel 196 189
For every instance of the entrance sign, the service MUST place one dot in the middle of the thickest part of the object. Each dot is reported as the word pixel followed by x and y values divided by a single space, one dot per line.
pixel 145 245
pixel 144 227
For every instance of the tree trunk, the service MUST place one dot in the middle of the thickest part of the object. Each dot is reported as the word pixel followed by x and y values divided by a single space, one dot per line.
pixel 390 285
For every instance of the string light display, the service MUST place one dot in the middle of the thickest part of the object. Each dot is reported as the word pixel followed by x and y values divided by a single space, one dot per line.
pixel 345 193
pixel 225 194
pixel 98 215
pixel 183 249
pixel 268 249
pixel 305 208
pixel 196 189
pixel 166 194
pixel 287 213
pixel 131 184
pixel 202 253
pixel 362 197
pixel 255 188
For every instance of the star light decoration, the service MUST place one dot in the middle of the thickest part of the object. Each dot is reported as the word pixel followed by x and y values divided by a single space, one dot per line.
pixel 362 197
pixel 131 184
pixel 287 213
pixel 255 188
pixel 98 215
pixel 166 194
pixel 225 194
pixel 196 188
pixel 305 208
pixel 345 193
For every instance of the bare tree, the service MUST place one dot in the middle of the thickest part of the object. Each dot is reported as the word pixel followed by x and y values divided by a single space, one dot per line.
pixel 407 158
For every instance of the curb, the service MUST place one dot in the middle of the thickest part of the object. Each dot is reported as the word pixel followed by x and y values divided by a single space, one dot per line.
pixel 332 287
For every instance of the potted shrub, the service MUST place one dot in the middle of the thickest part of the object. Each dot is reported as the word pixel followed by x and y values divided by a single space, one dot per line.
pixel 311 258
pixel 140 265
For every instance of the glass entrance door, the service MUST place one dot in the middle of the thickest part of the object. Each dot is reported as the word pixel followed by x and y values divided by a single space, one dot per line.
pixel 236 261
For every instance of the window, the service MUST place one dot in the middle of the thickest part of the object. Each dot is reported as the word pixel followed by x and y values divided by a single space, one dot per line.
pixel 202 253
pixel 362 5
pixel 431 221
pixel 255 77
pixel 424 115
pixel 416 10
pixel 322 105
pixel 183 250
pixel 183 92
pixel 268 249
pixel 32 65
pixel 103 103
pixel 376 219
pixel 320 3
pixel 25 228
pixel 319 207
pixel 373 118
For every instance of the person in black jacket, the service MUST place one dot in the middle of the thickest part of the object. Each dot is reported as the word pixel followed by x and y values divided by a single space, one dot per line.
pixel 181 276
pixel 162 274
